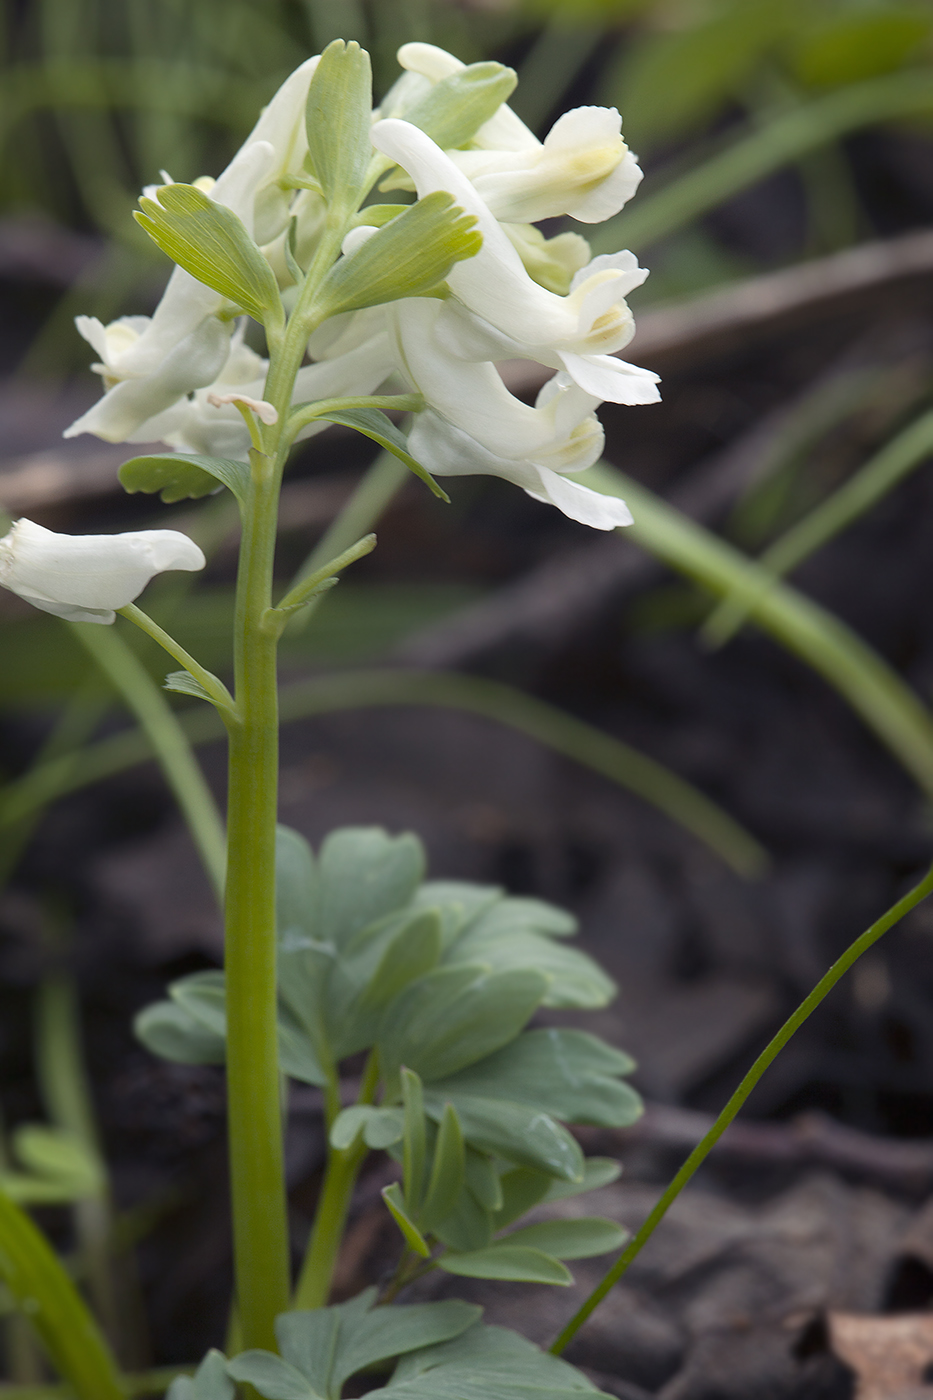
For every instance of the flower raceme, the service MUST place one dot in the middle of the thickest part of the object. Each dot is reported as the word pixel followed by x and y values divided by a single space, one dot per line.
pixel 83 578
pixel 520 296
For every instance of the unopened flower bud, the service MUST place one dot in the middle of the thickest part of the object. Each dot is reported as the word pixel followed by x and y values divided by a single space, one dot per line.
pixel 85 577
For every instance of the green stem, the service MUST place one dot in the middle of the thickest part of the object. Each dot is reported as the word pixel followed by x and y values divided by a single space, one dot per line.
pixel 825 985
pixel 254 1114
pixel 169 743
pixel 211 683
pixel 317 1271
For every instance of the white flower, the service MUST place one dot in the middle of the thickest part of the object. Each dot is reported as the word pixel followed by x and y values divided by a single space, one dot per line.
pixel 148 364
pixel 85 577
pixel 577 332
pixel 582 168
pixel 473 424
pixel 199 424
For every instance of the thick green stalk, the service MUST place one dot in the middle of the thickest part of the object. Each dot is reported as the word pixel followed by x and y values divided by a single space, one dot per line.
pixel 775 1046
pixel 254 1113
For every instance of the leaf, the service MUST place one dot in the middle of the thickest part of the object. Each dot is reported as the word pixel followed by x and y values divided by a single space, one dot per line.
pixel 42 1288
pixel 178 476
pixel 373 423
pixel 271 1376
pixel 209 1382
pixel 575 980
pixel 308 1340
pixel 203 996
pixel 482 1179
pixel 515 1131
pixel 365 874
pixel 381 1127
pixel 184 683
pixel 515 1263
pixel 339 113
pixel 392 1195
pixel 447 1172
pixel 379 963
pixel 568 1073
pixel 385 1332
pixel 211 242
pixel 298 1056
pixel 597 1171
pixel 579 1238
pixel 484 1363
pixel 468 1226
pixel 413 951
pixel 414 1139
pixel 407 257
pixel 60 1156
pixel 455 1015
pixel 168 1030
pixel 455 108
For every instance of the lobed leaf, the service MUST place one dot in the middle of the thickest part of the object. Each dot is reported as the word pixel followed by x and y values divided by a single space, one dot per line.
pixel 454 1016
pixel 338 117
pixel 211 243
pixel 173 1033
pixel 454 109
pixel 374 424
pixel 579 1238
pixel 407 257
pixel 568 1073
pixel 392 1195
pixel 178 476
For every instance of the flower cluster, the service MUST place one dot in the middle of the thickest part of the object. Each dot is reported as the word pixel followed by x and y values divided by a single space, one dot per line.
pixel 175 377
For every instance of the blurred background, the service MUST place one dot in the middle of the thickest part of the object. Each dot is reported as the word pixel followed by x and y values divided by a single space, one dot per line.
pixel 711 738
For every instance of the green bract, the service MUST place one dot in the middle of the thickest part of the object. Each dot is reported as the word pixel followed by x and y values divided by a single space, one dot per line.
pixel 178 476
pixel 211 242
pixel 456 107
pixel 321 1350
pixel 338 120
pixel 441 978
pixel 406 257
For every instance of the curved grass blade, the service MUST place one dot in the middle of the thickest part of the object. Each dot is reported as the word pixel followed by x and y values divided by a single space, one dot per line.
pixel 895 461
pixel 873 689
pixel 42 1288
pixel 558 731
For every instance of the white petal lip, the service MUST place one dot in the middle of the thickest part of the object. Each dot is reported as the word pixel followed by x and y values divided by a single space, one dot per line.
pixel 85 577
pixel 448 451
pixel 494 283
pixel 191 363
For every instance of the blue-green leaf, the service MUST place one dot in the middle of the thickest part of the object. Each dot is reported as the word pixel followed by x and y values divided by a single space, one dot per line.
pixel 178 476
pixel 374 424
pixel 514 1263
pixel 579 1238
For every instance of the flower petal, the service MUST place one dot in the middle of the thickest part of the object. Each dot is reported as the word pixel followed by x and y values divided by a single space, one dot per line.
pixel 86 577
